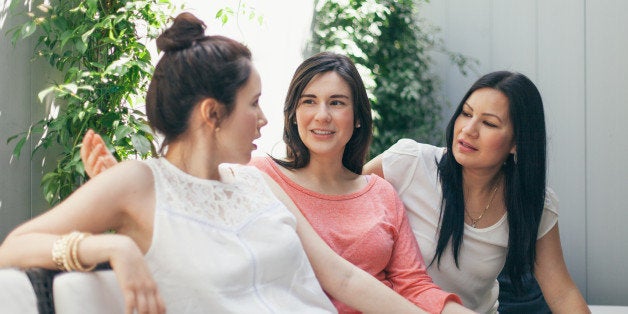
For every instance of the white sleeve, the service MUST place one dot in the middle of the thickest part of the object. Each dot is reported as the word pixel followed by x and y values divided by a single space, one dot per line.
pixel 549 217
pixel 399 162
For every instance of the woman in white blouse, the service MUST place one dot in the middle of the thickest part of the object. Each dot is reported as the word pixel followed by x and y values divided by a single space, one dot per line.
pixel 481 202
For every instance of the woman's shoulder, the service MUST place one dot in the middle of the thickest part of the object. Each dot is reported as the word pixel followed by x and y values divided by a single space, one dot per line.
pixel 406 146
pixel 260 161
pixel 129 172
pixel 408 161
pixel 381 185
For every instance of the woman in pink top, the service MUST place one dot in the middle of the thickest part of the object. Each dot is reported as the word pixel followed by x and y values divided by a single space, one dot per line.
pixel 327 130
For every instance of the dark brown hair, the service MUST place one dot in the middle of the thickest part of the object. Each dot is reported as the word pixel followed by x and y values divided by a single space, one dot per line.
pixel 193 67
pixel 356 150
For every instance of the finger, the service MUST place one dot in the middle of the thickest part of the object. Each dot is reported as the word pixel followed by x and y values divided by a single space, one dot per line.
pixel 161 305
pixel 152 303
pixel 92 158
pixel 98 140
pixel 129 302
pixel 87 140
pixel 142 303
pixel 98 167
pixel 108 160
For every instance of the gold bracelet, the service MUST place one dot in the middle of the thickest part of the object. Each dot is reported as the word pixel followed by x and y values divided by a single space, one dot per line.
pixel 67 256
pixel 75 260
pixel 65 252
pixel 58 252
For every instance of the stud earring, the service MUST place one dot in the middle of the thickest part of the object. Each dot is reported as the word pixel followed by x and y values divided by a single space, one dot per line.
pixel 357 125
pixel 514 158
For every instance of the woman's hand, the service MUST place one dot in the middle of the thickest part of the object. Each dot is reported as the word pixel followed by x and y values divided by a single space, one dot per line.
pixel 139 289
pixel 94 154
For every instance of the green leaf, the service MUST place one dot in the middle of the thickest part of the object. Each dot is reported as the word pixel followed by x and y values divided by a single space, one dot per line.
pixel 28 29
pixel 122 131
pixel 85 36
pixel 65 36
pixel 72 88
pixel 141 143
pixel 81 46
pixel 18 147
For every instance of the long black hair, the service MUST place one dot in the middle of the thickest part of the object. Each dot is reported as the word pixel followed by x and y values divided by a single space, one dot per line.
pixel 524 176
pixel 356 150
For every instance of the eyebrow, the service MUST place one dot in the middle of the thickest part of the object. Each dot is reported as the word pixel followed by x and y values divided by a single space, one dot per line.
pixel 332 96
pixel 484 114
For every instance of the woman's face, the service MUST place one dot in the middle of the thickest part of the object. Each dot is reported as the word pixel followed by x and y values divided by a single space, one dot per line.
pixel 239 130
pixel 324 115
pixel 483 132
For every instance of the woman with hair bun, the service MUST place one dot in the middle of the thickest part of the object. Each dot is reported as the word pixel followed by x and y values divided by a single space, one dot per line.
pixel 197 231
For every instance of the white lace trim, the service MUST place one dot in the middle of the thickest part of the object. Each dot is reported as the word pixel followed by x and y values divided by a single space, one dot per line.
pixel 241 192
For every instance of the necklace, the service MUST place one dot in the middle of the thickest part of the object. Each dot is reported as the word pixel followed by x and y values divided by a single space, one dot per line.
pixel 474 221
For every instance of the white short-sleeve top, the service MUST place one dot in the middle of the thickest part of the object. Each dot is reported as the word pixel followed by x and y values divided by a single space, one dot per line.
pixel 228 246
pixel 411 168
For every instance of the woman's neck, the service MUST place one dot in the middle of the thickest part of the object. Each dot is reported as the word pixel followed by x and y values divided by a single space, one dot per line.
pixel 189 157
pixel 482 182
pixel 326 176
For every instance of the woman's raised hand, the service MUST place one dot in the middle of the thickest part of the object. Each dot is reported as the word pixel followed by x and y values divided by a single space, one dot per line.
pixel 94 154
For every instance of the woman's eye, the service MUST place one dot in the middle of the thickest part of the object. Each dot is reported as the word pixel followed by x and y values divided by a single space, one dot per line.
pixel 336 103
pixel 490 124
pixel 465 114
pixel 307 101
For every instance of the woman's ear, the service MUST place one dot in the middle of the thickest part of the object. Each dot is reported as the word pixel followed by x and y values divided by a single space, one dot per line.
pixel 211 111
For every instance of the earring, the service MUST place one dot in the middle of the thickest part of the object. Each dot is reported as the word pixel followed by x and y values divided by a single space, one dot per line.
pixel 358 125
pixel 294 122
pixel 514 158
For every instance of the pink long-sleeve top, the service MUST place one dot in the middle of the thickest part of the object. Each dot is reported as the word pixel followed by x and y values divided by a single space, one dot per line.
pixel 370 229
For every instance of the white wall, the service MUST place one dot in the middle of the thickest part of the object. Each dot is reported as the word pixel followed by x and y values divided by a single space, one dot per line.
pixel 575 51
pixel 20 197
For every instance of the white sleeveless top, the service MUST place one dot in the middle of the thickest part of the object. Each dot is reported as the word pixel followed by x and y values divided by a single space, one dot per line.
pixel 228 246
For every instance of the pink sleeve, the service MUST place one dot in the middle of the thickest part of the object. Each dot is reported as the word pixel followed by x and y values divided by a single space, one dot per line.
pixel 407 271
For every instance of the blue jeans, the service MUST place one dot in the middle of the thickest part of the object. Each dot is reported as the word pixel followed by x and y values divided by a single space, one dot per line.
pixel 530 300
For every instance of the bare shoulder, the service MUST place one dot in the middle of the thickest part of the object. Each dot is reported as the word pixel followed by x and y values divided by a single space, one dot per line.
pixel 128 172
pixel 128 183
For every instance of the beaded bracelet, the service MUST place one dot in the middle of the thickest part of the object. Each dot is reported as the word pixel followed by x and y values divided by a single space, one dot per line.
pixel 65 252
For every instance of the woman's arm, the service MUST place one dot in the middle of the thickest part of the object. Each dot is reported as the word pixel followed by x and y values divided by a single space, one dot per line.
pixel 341 279
pixel 407 272
pixel 98 206
pixel 560 292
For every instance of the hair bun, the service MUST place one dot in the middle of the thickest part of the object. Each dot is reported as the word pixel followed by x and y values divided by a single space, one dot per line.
pixel 185 29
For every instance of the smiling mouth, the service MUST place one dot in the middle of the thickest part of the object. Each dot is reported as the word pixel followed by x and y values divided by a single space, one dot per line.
pixel 320 132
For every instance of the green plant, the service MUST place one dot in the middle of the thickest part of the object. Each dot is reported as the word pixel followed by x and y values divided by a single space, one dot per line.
pixel 391 47
pixel 98 47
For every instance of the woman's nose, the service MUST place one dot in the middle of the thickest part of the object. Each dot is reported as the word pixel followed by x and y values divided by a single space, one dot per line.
pixel 470 128
pixel 322 112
